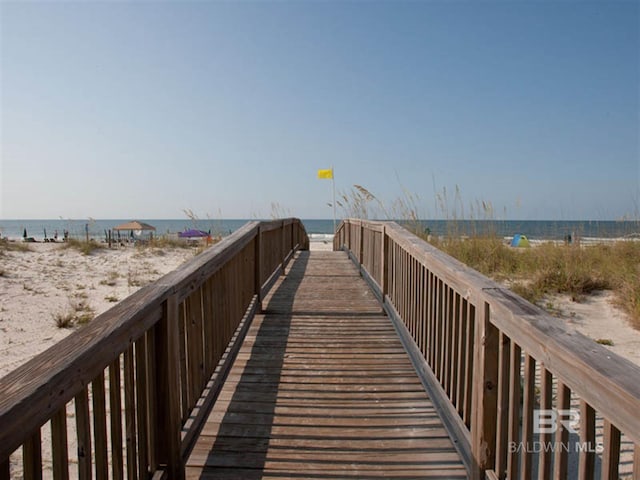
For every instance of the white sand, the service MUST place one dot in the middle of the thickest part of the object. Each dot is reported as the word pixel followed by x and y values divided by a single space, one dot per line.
pixel 51 279
pixel 48 280
pixel 597 318
pixel 321 246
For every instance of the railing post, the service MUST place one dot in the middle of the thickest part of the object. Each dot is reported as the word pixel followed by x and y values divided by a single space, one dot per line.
pixel 5 470
pixel 167 352
pixel 384 270
pixel 485 395
pixel 283 255
pixel 258 267
pixel 361 253
pixel 347 241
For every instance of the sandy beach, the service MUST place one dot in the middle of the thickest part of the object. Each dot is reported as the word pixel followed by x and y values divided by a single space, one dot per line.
pixel 51 282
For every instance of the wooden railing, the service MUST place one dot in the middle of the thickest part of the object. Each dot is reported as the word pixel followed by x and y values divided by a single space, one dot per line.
pixel 493 363
pixel 124 396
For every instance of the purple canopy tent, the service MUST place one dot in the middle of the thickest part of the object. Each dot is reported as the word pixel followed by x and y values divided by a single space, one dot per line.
pixel 193 233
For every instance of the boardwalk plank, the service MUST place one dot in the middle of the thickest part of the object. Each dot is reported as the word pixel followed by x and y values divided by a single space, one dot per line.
pixel 322 388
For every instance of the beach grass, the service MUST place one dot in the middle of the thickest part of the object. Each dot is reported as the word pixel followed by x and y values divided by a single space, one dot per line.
pixel 552 268
pixel 168 242
pixel 534 273
pixel 7 246
pixel 86 248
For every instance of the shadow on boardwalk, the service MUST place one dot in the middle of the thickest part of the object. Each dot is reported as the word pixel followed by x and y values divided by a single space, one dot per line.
pixel 322 388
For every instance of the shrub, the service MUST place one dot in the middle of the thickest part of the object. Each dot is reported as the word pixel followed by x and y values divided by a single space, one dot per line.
pixel 553 268
pixel 86 248
pixel 64 320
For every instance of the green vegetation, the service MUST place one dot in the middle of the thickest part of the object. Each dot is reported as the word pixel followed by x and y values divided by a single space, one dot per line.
pixel 533 273
pixel 551 268
pixel 111 280
pixel 7 246
pixel 158 243
pixel 87 248
pixel 78 313
pixel 64 320
pixel 134 279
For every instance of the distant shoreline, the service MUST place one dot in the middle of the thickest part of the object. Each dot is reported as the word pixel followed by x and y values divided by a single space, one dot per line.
pixel 534 229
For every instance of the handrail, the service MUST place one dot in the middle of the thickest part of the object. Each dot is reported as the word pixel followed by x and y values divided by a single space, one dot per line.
pixel 490 359
pixel 147 360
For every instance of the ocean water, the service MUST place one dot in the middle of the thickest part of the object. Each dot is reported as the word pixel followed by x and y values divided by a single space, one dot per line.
pixel 533 229
pixel 97 228
pixel 320 229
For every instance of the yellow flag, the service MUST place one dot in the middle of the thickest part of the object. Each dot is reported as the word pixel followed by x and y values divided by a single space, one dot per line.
pixel 328 173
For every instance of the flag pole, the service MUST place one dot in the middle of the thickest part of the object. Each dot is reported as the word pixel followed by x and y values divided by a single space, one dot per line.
pixel 333 181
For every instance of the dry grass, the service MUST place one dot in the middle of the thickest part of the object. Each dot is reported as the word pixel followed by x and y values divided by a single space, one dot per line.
pixel 532 273
pixel 64 319
pixel 111 280
pixel 551 268
pixel 86 248
pixel 78 313
pixel 7 246
pixel 158 243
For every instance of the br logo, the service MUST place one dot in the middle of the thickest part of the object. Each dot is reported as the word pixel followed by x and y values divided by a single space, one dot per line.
pixel 547 421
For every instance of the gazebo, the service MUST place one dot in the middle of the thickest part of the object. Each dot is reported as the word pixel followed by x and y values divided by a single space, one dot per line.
pixel 135 226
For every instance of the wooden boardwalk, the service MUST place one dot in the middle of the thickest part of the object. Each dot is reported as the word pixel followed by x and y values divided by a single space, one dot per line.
pixel 322 388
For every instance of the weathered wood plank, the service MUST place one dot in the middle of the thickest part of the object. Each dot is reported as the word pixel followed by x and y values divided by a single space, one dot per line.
pixel 502 406
pixel 485 400
pixel 100 427
pixel 39 390
pixel 560 459
pixel 142 406
pixel 166 441
pixel 252 444
pixel 611 454
pixel 115 405
pixel 59 445
pixel 130 417
pixel 607 382
pixel 546 398
pixel 586 464
pixel 285 471
pixel 32 457
pixel 83 429
pixel 5 469
pixel 527 415
pixel 514 409
pixel 338 461
pixel 323 387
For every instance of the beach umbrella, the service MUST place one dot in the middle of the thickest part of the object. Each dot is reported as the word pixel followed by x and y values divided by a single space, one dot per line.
pixel 193 233
pixel 24 235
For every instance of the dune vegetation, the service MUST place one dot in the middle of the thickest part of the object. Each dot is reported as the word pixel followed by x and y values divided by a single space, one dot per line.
pixel 552 268
pixel 548 268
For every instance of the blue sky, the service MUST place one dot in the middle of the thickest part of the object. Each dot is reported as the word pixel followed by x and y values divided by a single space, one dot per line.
pixel 144 109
